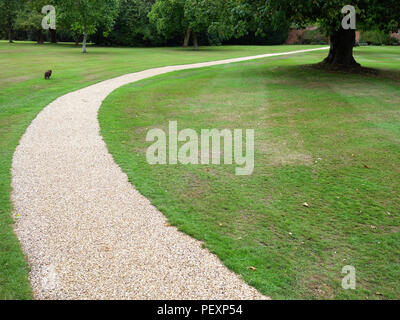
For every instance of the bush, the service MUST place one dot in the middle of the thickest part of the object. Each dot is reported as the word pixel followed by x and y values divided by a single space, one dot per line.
pixel 394 41
pixel 376 38
pixel 270 36
pixel 314 37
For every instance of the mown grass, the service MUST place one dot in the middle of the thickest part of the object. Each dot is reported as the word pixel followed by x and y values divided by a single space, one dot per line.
pixel 329 139
pixel 24 92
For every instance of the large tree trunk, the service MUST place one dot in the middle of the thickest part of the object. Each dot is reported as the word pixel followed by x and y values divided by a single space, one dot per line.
pixel 187 37
pixel 341 51
pixel 195 42
pixel 84 42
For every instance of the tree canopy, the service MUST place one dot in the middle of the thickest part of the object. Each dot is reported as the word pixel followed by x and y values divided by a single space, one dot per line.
pixel 191 17
pixel 132 26
pixel 157 22
pixel 168 16
pixel 328 15
pixel 8 15
pixel 85 16
pixel 30 17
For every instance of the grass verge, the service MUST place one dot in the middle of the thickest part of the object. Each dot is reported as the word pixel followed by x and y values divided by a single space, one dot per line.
pixel 325 138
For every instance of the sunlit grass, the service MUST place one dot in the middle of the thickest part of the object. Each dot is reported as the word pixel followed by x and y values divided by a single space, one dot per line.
pixel 329 139
pixel 24 92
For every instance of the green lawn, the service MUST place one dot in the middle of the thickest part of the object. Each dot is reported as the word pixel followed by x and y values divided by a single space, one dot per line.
pixel 329 139
pixel 24 92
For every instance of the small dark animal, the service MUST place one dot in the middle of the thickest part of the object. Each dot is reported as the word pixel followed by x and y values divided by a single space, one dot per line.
pixel 47 74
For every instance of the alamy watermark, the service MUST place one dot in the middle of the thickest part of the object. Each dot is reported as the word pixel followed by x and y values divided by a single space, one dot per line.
pixel 349 21
pixel 196 149
pixel 49 21
pixel 349 281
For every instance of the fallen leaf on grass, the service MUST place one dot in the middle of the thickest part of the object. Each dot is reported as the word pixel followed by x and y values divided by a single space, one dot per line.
pixel 252 268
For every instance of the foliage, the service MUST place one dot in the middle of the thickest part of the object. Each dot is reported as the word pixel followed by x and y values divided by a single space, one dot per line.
pixel 375 37
pixel 168 16
pixel 132 26
pixel 30 17
pixel 387 15
pixel 210 17
pixel 85 16
pixel 327 13
pixel 155 22
pixel 314 37
pixel 8 13
pixel 329 16
pixel 251 21
pixel 370 13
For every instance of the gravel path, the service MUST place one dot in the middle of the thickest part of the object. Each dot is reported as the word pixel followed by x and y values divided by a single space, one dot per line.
pixel 86 231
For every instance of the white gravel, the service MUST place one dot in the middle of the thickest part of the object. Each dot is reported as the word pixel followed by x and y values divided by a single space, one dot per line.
pixel 86 231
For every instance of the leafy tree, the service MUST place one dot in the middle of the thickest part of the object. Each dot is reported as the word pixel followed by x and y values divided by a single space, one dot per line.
pixel 253 20
pixel 85 16
pixel 31 16
pixel 387 15
pixel 328 14
pixel 132 26
pixel 168 16
pixel 190 18
pixel 8 15
pixel 208 15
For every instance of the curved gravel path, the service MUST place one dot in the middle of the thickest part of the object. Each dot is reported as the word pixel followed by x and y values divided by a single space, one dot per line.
pixel 86 231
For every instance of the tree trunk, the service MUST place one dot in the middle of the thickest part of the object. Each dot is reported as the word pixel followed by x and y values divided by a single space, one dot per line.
pixel 341 51
pixel 195 42
pixel 53 36
pixel 84 42
pixel 10 38
pixel 40 39
pixel 187 37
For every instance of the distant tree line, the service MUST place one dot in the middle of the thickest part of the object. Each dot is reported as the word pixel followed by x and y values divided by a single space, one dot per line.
pixel 186 22
pixel 140 22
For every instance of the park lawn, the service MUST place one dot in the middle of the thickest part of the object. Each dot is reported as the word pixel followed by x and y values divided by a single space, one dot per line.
pixel 325 138
pixel 24 92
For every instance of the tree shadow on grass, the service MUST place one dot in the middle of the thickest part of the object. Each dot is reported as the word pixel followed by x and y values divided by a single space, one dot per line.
pixel 371 73
pixel 323 72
